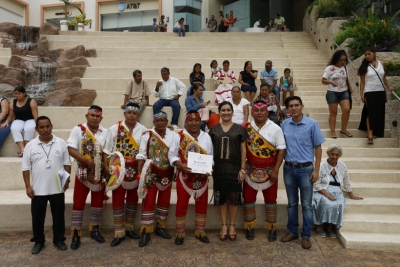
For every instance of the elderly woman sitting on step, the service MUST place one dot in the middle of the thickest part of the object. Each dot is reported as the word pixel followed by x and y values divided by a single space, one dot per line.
pixel 329 201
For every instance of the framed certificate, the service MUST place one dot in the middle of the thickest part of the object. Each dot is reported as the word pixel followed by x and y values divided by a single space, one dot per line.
pixel 200 163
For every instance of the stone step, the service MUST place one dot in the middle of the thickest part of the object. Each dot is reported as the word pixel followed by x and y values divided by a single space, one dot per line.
pixel 325 116
pixel 383 190
pixel 353 124
pixel 374 175
pixel 355 132
pixel 370 241
pixel 372 223
pixel 13 200
pixel 177 72
pixel 179 43
pixel 370 163
pixel 4 60
pixel 371 205
pixel 5 52
pixel 170 61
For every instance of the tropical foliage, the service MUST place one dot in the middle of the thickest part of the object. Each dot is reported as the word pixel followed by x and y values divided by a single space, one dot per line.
pixel 79 19
pixel 392 68
pixel 68 3
pixel 369 31
pixel 335 8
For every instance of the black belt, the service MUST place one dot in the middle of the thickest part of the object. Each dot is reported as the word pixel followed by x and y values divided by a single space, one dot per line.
pixel 298 165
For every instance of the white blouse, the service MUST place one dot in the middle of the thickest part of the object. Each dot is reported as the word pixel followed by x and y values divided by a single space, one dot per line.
pixel 325 174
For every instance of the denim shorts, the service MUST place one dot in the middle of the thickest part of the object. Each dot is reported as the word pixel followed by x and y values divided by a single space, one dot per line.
pixel 287 87
pixel 335 97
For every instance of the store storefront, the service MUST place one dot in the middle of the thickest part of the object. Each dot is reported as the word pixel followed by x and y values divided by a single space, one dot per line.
pixel 132 16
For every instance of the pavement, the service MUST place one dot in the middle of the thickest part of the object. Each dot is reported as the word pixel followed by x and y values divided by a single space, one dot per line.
pixel 15 250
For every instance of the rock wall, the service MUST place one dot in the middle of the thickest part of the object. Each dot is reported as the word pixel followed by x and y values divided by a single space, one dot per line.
pixel 51 77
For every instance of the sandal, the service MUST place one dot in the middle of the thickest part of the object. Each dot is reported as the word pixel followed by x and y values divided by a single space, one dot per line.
pixel 370 141
pixel 346 134
pixel 221 236
pixel 20 154
pixel 232 237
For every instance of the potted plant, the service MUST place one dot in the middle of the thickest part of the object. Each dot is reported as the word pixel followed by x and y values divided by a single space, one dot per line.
pixel 64 23
pixel 81 21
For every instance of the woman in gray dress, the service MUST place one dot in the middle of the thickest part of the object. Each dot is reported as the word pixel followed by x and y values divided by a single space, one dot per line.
pixel 329 201
pixel 229 167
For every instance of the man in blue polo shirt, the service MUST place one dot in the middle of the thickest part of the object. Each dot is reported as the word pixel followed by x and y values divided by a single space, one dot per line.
pixel 303 141
pixel 270 77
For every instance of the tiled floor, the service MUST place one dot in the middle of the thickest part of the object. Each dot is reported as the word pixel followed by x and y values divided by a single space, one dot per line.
pixel 15 251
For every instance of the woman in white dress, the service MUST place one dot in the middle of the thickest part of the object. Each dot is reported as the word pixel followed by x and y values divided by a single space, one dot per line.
pixel 226 78
pixel 240 107
pixel 329 201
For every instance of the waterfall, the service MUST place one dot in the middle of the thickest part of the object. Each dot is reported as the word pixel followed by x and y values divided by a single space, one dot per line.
pixel 26 38
pixel 44 79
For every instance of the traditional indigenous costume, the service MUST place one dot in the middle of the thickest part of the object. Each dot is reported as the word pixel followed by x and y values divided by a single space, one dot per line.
pixel 157 176
pixel 192 184
pixel 89 145
pixel 121 140
pixel 262 152
pixel 223 92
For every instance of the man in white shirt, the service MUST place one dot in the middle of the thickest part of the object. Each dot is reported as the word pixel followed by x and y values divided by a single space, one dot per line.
pixel 82 146
pixel 137 91
pixel 157 177
pixel 257 24
pixel 124 137
pixel 44 157
pixel 169 89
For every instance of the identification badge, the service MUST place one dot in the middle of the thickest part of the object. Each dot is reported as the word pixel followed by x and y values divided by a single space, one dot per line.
pixel 48 164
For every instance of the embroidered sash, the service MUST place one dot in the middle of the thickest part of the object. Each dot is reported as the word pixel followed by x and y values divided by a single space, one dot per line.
pixel 129 148
pixel 194 184
pixel 261 159
pixel 88 145
pixel 156 170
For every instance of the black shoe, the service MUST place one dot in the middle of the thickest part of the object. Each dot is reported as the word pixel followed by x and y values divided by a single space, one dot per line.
pixel 116 241
pixel 203 239
pixel 144 240
pixel 37 247
pixel 60 245
pixel 161 232
pixel 179 241
pixel 95 234
pixel 76 240
pixel 272 235
pixel 250 234
pixel 132 234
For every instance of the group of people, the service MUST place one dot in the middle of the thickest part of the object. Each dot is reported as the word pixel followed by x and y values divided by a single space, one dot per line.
pixel 223 23
pixel 373 86
pixel 161 26
pixel 135 162
pixel 278 24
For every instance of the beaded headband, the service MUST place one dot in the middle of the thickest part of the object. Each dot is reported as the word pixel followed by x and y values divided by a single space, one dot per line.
pixel 160 115
pixel 193 115
pixel 132 108
pixel 94 111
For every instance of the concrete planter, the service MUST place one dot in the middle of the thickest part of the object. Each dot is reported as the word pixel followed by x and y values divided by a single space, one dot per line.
pixel 63 25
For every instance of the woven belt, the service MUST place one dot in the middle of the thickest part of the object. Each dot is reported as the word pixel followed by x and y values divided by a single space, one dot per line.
pixel 298 165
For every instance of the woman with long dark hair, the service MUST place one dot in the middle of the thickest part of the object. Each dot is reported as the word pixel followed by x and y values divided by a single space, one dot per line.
pixel 247 79
pixel 335 76
pixel 229 167
pixel 373 85
pixel 196 77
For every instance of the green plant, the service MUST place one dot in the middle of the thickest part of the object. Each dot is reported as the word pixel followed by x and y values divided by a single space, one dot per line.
pixel 345 8
pixel 79 19
pixel 392 68
pixel 326 8
pixel 68 3
pixel 369 31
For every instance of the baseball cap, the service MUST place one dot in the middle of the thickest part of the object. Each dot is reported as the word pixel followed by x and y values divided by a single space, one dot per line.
pixel 268 63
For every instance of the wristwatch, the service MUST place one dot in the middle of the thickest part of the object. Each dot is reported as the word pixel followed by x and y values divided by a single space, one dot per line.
pixel 242 171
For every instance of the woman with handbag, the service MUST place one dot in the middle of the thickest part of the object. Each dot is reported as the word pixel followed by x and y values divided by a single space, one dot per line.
pixel 373 83
pixel 339 90
pixel 195 102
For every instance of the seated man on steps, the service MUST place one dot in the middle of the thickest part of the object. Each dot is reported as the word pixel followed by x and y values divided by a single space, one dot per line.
pixel 137 91
pixel 169 89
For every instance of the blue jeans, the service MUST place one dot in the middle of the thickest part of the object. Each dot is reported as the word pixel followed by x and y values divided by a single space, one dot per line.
pixel 295 179
pixel 4 133
pixel 179 31
pixel 174 104
pixel 277 93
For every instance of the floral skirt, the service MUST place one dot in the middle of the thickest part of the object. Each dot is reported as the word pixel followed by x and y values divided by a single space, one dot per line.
pixel 328 211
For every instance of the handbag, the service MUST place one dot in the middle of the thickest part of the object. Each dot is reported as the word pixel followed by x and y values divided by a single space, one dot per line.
pixel 204 114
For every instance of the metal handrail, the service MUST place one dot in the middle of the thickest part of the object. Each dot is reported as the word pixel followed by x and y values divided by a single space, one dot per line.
pixel 330 37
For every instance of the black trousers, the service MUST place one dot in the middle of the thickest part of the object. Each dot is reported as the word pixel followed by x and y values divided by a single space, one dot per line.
pixel 38 210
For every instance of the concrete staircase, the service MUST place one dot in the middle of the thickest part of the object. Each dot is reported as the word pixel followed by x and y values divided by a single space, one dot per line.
pixel 372 223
